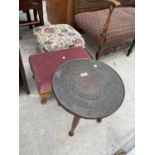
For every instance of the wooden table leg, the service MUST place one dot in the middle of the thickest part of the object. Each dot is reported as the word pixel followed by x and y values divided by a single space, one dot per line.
pixel 99 120
pixel 75 122
pixel 59 104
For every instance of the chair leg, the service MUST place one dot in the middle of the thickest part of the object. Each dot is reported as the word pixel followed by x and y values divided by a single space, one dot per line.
pixel 35 15
pixel 102 40
pixel 41 20
pixel 130 49
pixel 40 12
pixel 28 18
pixel 98 53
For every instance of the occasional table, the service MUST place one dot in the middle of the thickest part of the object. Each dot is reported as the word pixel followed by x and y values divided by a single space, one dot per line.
pixel 88 89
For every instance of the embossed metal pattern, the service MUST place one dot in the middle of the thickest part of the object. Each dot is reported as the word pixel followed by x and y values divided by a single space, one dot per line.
pixel 88 88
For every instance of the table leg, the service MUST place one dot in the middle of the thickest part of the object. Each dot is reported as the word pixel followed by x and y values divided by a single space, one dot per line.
pixel 99 120
pixel 75 122
pixel 59 104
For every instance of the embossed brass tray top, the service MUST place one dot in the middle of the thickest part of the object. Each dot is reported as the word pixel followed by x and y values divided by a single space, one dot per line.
pixel 88 89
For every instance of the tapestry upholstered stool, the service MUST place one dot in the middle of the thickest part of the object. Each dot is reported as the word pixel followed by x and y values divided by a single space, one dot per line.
pixel 57 37
pixel 44 65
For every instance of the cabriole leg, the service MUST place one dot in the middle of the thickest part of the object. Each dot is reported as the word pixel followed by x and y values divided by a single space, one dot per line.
pixel 43 98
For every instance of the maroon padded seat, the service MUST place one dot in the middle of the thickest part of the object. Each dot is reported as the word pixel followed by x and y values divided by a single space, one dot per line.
pixel 44 65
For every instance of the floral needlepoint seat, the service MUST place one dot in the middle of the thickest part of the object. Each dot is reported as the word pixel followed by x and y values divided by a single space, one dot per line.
pixel 57 37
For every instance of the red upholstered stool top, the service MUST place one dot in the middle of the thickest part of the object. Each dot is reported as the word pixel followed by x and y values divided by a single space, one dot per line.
pixel 45 64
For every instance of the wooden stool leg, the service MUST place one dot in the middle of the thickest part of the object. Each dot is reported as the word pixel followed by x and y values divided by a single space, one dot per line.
pixel 43 98
pixel 99 120
pixel 74 125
